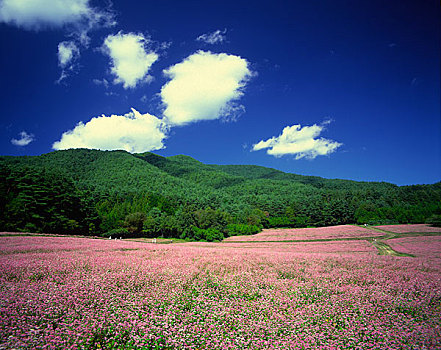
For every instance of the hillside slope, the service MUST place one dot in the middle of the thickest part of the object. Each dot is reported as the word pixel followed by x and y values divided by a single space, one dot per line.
pixel 115 184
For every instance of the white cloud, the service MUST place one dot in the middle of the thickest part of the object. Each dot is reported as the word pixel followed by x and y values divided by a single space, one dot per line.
pixel 204 87
pixel 103 82
pixel 133 132
pixel 298 141
pixel 24 140
pixel 131 60
pixel 216 37
pixel 33 14
pixel 78 15
pixel 68 52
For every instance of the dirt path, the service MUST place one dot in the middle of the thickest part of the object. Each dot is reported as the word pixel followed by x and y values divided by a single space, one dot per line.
pixel 379 242
pixel 385 249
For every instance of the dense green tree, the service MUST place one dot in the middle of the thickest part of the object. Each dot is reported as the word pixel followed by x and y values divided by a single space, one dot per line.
pixel 91 192
pixel 43 200
pixel 434 220
pixel 134 222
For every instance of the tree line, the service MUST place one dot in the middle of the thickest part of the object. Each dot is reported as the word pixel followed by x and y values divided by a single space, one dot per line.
pixel 116 193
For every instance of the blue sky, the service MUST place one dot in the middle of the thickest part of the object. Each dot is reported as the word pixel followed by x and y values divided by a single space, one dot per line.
pixel 338 89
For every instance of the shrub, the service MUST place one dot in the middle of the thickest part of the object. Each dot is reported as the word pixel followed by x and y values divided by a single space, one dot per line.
pixel 209 234
pixel 281 221
pixel 213 234
pixel 284 221
pixel 242 229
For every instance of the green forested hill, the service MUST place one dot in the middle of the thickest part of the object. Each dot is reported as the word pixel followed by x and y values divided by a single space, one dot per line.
pixel 90 191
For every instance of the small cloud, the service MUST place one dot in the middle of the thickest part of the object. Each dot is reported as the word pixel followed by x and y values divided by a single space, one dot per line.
pixel 144 99
pixel 391 45
pixel 68 53
pixel 102 82
pixel 165 45
pixel 204 86
pixel 232 112
pixel 415 82
pixel 77 16
pixel 131 58
pixel 63 75
pixel 217 37
pixel 133 132
pixel 24 140
pixel 327 121
pixel 298 141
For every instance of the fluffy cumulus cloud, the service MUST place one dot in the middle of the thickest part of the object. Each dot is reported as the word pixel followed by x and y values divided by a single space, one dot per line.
pixel 204 87
pixel 300 142
pixel 24 139
pixel 38 14
pixel 33 14
pixel 216 37
pixel 133 132
pixel 131 59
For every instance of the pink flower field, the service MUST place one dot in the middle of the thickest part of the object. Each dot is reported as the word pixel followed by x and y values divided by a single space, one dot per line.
pixel 424 246
pixel 78 293
pixel 332 247
pixel 409 228
pixel 297 234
